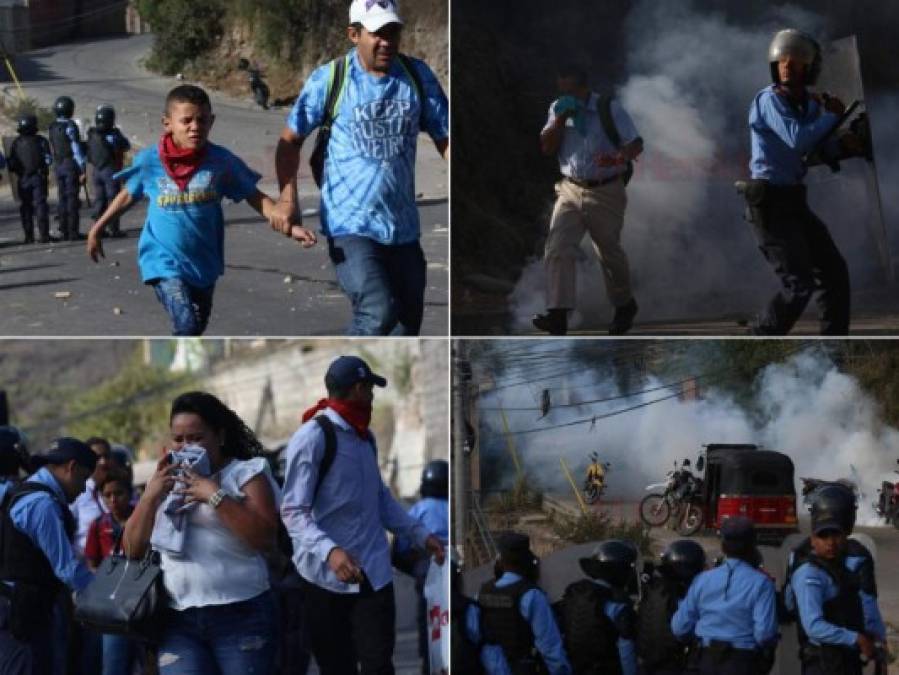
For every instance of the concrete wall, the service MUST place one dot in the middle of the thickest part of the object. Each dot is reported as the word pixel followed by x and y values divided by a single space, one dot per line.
pixel 411 415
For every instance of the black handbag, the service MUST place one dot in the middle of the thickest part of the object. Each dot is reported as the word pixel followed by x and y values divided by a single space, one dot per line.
pixel 125 597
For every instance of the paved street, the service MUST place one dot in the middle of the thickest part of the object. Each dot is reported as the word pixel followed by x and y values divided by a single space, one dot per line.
pixel 254 297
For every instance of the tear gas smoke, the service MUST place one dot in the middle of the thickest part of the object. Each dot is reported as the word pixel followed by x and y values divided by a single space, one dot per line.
pixel 803 407
pixel 692 75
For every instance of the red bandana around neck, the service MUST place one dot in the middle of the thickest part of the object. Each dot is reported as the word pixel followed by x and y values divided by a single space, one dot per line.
pixel 356 413
pixel 179 163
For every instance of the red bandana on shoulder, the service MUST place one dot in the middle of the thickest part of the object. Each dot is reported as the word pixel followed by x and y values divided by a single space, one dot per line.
pixel 180 163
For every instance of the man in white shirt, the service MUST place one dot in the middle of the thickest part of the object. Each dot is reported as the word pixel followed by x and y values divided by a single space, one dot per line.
pixel 596 143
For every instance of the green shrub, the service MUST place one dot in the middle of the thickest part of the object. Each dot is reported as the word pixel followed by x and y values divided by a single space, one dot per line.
pixel 597 526
pixel 27 106
pixel 183 30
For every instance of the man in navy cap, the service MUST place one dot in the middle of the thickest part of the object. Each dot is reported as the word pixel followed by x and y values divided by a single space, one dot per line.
pixel 513 620
pixel 831 588
pixel 731 609
pixel 37 561
pixel 336 507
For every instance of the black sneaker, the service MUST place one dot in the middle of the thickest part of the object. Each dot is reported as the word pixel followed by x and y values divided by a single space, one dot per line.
pixel 554 322
pixel 624 318
pixel 118 234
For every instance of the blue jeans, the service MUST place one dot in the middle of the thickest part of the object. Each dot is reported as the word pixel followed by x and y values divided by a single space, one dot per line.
pixel 119 653
pixel 232 639
pixel 188 307
pixel 385 283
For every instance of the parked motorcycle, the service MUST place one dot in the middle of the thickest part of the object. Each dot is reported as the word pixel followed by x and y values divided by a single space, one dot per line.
pixel 887 504
pixel 676 499
pixel 259 88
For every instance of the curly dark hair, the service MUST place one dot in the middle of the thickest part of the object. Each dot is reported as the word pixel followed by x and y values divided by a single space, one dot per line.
pixel 240 441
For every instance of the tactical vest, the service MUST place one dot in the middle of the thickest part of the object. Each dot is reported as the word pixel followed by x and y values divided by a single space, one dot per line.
pixel 657 647
pixel 99 152
pixel 502 623
pixel 20 559
pixel 845 609
pixel 36 585
pixel 591 638
pixel 27 155
pixel 60 142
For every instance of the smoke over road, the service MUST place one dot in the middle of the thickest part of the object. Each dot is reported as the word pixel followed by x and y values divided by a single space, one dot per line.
pixel 691 76
pixel 804 407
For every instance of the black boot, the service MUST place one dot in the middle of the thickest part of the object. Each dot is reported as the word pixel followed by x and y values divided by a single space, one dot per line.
pixel 623 319
pixel 29 234
pixel 554 322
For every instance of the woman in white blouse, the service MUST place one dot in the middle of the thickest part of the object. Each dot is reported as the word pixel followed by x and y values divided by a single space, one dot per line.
pixel 222 614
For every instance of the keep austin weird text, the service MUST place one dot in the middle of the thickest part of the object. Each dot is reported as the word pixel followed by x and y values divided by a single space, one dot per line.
pixel 381 128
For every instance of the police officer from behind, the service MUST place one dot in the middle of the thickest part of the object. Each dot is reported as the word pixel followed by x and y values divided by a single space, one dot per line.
pixel 598 620
pixel 30 159
pixel 13 458
pixel 36 558
pixel 658 651
pixel 513 620
pixel 106 148
pixel 833 592
pixel 731 609
pixel 70 162
pixel 786 123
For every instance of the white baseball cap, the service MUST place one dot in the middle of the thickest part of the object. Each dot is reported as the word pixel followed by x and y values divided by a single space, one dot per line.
pixel 374 14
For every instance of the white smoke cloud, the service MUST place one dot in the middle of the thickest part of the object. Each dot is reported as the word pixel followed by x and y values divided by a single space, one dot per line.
pixel 692 77
pixel 803 407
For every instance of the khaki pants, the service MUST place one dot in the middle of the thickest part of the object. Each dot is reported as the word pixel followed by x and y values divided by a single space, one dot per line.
pixel 599 212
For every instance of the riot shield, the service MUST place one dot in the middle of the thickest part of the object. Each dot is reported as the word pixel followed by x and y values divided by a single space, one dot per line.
pixel 848 200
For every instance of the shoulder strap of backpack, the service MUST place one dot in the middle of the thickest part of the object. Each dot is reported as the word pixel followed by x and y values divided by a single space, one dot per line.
pixel 604 108
pixel 412 74
pixel 327 427
pixel 336 87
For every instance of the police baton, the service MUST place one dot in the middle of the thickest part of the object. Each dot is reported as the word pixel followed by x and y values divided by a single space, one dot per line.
pixel 87 196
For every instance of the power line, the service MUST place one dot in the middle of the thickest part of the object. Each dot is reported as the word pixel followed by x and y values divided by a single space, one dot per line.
pixel 589 420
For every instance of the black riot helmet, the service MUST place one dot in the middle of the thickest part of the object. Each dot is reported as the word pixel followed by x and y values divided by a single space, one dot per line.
pixel 64 107
pixel 13 451
pixel 801 45
pixel 105 118
pixel 26 125
pixel 682 560
pixel 833 507
pixel 614 561
pixel 435 479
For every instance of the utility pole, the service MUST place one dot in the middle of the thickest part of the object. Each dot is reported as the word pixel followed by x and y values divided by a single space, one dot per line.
pixel 461 377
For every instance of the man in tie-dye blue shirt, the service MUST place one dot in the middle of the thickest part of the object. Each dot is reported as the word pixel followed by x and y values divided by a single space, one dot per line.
pixel 368 210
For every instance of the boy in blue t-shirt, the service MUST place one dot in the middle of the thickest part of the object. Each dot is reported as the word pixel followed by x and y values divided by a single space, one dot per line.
pixel 181 247
pixel 368 209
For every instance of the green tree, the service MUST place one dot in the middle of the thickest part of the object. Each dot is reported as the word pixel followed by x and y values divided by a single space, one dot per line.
pixel 129 408
pixel 183 29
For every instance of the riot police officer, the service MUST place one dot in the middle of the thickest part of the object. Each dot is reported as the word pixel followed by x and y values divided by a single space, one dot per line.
pixel 831 588
pixel 731 609
pixel 106 147
pixel 598 620
pixel 787 124
pixel 658 651
pixel 30 159
pixel 37 560
pixel 512 619
pixel 13 458
pixel 69 159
